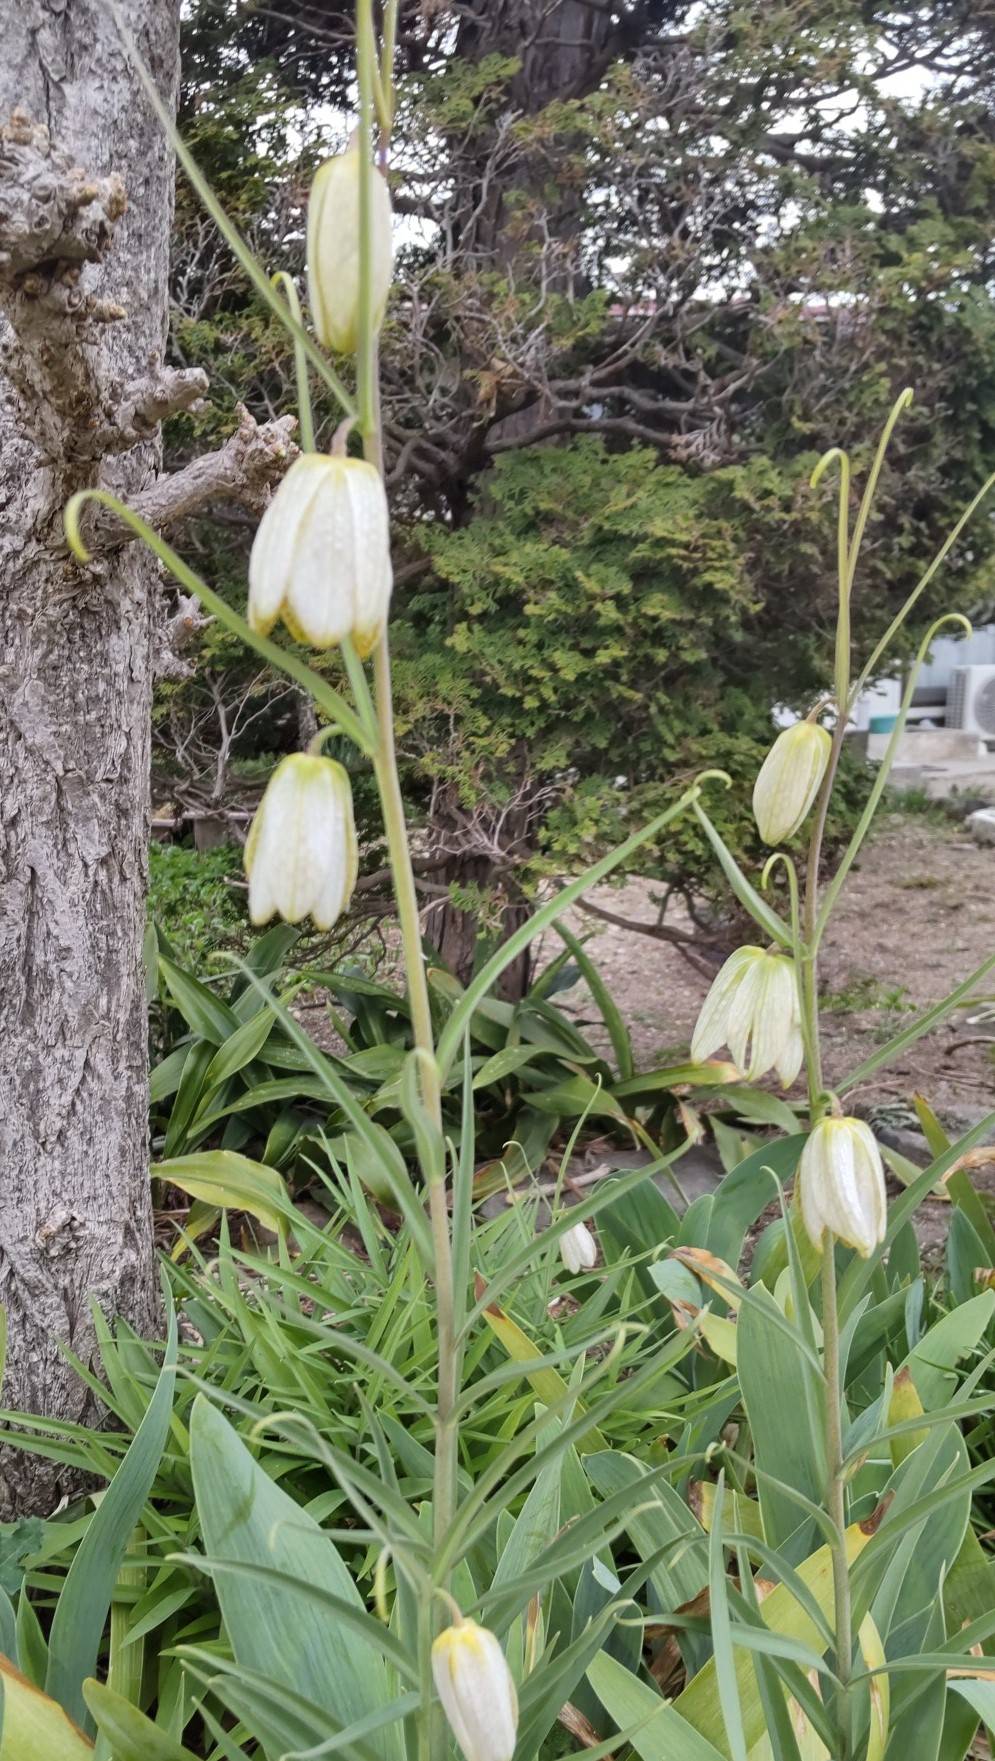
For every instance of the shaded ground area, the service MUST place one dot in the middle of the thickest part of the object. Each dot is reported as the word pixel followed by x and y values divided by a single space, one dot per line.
pixel 916 916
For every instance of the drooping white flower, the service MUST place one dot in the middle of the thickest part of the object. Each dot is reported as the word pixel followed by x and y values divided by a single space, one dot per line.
pixel 842 1185
pixel 321 554
pixel 301 855
pixel 475 1685
pixel 333 250
pixel 752 1007
pixel 578 1248
pixel 789 780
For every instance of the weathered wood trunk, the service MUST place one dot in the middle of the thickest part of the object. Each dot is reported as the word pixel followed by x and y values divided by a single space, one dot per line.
pixel 75 687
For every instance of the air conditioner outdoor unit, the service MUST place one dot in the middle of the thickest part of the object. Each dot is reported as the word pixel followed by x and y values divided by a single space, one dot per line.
pixel 971 700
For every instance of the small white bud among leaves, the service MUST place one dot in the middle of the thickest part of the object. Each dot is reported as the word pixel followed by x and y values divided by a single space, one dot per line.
pixel 842 1185
pixel 475 1685
pixel 578 1249
pixel 321 554
pixel 789 780
pixel 753 1009
pixel 333 250
pixel 301 855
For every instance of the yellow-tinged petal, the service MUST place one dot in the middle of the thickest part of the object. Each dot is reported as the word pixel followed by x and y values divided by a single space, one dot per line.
pixel 475 1686
pixel 321 556
pixel 789 780
pixel 300 855
pixel 711 1028
pixel 333 250
pixel 842 1185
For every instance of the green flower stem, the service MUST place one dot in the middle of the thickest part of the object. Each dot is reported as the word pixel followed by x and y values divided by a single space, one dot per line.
pixel 921 585
pixel 808 987
pixel 431 1738
pixel 837 1495
pixel 900 404
pixel 883 772
pixel 305 417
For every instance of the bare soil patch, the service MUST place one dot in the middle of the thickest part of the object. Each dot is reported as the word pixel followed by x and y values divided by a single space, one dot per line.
pixel 916 916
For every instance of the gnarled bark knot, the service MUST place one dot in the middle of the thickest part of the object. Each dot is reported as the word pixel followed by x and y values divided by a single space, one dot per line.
pixel 56 224
pixel 51 213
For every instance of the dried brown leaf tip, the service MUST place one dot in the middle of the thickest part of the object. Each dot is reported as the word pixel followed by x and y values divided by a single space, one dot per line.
pixel 480 1291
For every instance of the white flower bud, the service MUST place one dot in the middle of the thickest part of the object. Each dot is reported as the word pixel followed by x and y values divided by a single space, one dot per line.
pixel 842 1185
pixel 475 1685
pixel 301 855
pixel 321 554
pixel 578 1248
pixel 333 250
pixel 753 1009
pixel 789 780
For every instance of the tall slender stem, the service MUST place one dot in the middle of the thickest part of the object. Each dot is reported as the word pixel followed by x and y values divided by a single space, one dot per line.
pixel 305 418
pixel 430 1736
pixel 836 1494
pixel 808 984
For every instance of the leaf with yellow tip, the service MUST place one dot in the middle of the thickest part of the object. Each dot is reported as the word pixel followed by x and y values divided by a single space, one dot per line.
pixel 35 1728
pixel 713 1271
pixel 546 1383
pixel 222 1177
pixel 879 1689
pixel 741 1515
pixel 720 1334
pixel 699 1703
pixel 904 1404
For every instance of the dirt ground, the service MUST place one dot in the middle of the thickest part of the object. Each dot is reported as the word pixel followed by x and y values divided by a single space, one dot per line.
pixel 916 916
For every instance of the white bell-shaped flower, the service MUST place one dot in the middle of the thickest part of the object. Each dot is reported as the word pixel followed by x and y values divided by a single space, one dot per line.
pixel 301 855
pixel 789 780
pixel 753 1009
pixel 578 1249
pixel 842 1185
pixel 333 250
pixel 321 554
pixel 475 1685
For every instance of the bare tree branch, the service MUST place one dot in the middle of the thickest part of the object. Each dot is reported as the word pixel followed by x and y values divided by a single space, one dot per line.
pixel 244 470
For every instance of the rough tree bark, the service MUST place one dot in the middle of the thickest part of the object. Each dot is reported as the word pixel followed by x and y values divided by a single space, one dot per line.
pixel 86 185
pixel 85 206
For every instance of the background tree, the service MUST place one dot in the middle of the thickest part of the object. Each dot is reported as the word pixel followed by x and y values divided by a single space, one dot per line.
pixel 654 258
pixel 86 182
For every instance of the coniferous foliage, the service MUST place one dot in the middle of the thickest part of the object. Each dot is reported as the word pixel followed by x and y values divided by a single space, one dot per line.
pixel 653 259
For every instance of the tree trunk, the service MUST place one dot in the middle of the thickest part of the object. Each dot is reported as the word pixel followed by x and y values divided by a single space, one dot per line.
pixel 457 934
pixel 83 290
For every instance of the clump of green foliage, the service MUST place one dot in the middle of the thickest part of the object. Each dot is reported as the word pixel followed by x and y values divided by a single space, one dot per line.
pixel 580 432
pixel 193 903
pixel 595 635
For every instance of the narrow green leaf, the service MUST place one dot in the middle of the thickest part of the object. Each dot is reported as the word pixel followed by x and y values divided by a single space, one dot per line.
pixel 745 892
pixel 131 1736
pixel 202 1011
pixel 83 1605
pixel 611 1014
pixel 239 1049
pixel 656 1729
